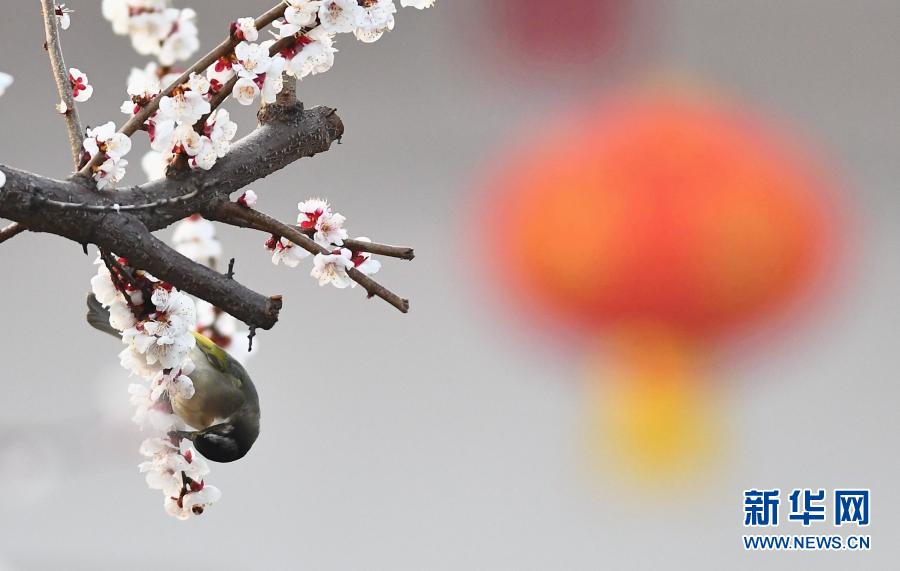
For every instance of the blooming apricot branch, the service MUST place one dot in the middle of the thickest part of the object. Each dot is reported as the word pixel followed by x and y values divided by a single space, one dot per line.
pixel 196 164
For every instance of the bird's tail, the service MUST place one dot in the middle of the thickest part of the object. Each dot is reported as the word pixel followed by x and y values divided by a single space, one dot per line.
pixel 98 316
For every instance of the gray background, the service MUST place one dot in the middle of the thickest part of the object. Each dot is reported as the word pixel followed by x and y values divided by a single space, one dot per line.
pixel 448 439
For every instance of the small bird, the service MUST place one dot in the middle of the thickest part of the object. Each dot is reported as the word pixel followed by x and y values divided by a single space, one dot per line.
pixel 224 410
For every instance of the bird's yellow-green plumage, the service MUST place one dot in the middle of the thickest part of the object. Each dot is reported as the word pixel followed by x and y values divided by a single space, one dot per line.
pixel 224 409
pixel 220 386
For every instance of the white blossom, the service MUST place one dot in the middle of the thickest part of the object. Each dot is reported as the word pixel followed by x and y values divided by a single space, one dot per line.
pixel 182 42
pixel 316 214
pixel 175 383
pixel 154 28
pixel 245 29
pixel 143 85
pixel 302 13
pixel 252 59
pixel 332 268
pixel 104 139
pixel 154 165
pixel 364 262
pixel 245 91
pixel 285 28
pixel 167 465
pixel 198 83
pixel 171 139
pixel 274 81
pixel 81 88
pixel 374 20
pixel 420 4
pixel 193 503
pixel 110 173
pixel 222 131
pixel 185 108
pixel 206 156
pixel 195 238
pixel 62 16
pixel 164 338
pixel 330 229
pixel 5 81
pixel 286 252
pixel 338 16
pixel 220 73
pixel 316 56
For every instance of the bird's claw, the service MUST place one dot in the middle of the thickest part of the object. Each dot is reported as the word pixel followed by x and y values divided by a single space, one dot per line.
pixel 180 434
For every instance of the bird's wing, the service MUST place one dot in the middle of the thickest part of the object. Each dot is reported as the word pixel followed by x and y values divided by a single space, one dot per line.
pixel 98 316
pixel 219 389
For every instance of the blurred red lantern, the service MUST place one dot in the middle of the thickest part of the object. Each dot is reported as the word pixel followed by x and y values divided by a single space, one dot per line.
pixel 668 209
pixel 661 222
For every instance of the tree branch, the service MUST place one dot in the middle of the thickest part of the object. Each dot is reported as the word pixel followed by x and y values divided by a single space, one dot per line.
pixel 61 77
pixel 11 231
pixel 74 131
pixel 237 215
pixel 399 252
pixel 121 221
pixel 124 233
pixel 224 49
pixel 287 134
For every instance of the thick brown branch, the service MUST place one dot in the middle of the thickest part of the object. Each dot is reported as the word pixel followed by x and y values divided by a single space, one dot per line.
pixel 61 77
pixel 237 215
pixel 127 237
pixel 287 134
pixel 222 50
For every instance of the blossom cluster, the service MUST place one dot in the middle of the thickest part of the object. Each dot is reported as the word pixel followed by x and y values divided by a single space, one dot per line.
pixel 156 322
pixel 259 74
pixel 113 146
pixel 184 124
pixel 316 217
pixel 155 28
pixel 314 24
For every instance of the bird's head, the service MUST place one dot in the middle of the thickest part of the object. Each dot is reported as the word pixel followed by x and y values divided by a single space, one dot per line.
pixel 228 441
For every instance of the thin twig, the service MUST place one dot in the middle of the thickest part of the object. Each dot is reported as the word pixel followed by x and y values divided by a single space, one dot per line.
pixel 224 49
pixel 11 231
pixel 61 77
pixel 53 44
pixel 399 252
pixel 236 215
